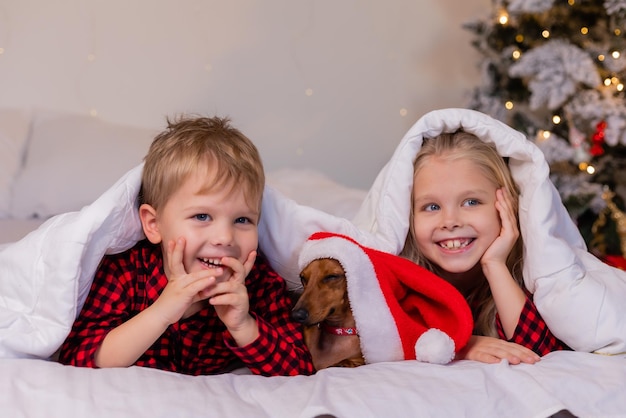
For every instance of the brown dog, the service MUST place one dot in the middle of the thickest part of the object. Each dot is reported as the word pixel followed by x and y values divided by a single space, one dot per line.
pixel 324 310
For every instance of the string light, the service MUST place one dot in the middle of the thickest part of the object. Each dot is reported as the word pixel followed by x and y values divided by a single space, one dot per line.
pixel 607 82
pixel 545 33
pixel 503 18
pixel 590 169
pixel 615 54
pixel 601 57
pixel 584 30
pixel 403 112
pixel 508 105
pixel 620 87
pixel 519 38
pixel 516 54
pixel 556 119
pixel 571 2
pixel 617 31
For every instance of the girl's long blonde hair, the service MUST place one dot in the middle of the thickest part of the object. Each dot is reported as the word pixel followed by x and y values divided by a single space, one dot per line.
pixel 464 145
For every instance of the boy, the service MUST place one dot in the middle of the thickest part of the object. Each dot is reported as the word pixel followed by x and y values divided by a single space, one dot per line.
pixel 194 297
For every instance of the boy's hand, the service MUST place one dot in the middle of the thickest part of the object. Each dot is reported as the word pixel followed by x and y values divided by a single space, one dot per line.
pixel 182 289
pixel 231 300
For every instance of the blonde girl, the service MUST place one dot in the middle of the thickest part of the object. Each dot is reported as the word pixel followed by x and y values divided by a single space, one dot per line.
pixel 464 227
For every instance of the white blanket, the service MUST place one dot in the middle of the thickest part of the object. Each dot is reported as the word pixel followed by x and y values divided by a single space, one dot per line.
pixel 586 384
pixel 45 277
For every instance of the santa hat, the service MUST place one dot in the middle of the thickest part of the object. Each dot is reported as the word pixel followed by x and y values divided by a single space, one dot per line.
pixel 402 311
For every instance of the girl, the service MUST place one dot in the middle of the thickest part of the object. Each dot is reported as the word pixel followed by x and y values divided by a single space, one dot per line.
pixel 463 226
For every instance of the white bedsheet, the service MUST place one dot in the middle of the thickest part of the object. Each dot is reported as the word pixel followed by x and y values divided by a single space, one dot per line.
pixel 561 380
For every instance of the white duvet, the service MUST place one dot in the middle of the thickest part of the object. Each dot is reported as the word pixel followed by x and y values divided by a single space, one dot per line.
pixel 45 277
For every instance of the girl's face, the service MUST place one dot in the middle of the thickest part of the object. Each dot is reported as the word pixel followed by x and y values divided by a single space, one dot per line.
pixel 455 219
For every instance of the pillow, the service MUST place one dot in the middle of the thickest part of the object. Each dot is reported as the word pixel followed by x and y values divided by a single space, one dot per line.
pixel 14 126
pixel 71 160
pixel 313 188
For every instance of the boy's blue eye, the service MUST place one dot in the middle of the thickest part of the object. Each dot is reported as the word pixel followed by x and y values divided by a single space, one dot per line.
pixel 202 217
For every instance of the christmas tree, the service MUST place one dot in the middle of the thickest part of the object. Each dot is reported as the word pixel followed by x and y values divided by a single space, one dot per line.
pixel 555 70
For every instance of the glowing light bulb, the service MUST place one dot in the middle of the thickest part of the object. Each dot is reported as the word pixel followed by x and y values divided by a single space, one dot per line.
pixel 519 38
pixel 601 57
pixel 590 169
pixel 516 54
pixel 508 105
pixel 607 82
pixel 503 19
pixel 614 80
pixel 571 2
pixel 584 30
pixel 620 87
pixel 615 54
pixel 617 31
pixel 556 119
pixel 583 166
pixel 545 33
pixel 403 112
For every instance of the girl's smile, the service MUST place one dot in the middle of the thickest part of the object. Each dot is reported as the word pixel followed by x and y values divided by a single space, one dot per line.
pixel 455 218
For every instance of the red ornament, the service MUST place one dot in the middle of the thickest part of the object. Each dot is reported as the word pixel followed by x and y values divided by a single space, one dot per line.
pixel 615 261
pixel 597 140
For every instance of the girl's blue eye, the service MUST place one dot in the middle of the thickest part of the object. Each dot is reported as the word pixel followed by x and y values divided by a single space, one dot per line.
pixel 202 217
pixel 242 220
pixel 431 207
pixel 472 202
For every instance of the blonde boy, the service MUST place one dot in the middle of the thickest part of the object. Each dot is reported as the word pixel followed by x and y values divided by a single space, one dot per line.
pixel 195 297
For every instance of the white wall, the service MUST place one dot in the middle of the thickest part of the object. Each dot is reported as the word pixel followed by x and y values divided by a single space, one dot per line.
pixel 325 84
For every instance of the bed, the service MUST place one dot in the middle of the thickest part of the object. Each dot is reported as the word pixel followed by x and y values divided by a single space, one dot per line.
pixel 58 207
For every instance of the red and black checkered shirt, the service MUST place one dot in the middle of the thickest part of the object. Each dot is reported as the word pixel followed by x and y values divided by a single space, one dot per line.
pixel 532 331
pixel 127 283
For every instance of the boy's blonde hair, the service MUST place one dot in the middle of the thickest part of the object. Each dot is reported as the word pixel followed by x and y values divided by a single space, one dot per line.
pixel 466 146
pixel 189 144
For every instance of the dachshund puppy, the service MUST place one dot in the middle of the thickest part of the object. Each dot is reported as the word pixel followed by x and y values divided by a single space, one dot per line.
pixel 324 310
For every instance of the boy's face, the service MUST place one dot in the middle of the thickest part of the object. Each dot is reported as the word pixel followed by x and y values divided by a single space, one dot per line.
pixel 216 222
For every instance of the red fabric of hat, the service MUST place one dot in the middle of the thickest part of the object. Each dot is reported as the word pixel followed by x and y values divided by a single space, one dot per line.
pixel 402 311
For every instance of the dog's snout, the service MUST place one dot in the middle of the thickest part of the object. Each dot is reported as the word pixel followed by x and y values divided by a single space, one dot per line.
pixel 300 315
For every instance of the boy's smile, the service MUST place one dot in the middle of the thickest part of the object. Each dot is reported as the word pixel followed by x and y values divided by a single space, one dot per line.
pixel 215 221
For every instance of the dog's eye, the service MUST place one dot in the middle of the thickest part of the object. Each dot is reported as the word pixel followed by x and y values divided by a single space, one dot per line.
pixel 332 277
pixel 303 280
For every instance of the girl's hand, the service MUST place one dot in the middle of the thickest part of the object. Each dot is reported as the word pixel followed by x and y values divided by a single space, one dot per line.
pixel 182 289
pixel 494 350
pixel 231 301
pixel 499 250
